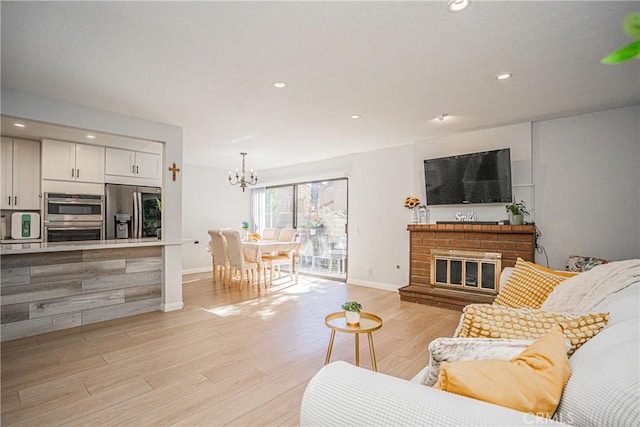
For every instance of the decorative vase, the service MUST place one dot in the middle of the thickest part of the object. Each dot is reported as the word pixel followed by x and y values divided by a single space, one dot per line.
pixel 414 216
pixel 422 214
pixel 515 219
pixel 353 317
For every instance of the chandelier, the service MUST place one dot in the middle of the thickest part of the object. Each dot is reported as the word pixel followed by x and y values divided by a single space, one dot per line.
pixel 241 177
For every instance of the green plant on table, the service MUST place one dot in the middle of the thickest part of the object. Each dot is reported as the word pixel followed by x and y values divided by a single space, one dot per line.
pixel 352 306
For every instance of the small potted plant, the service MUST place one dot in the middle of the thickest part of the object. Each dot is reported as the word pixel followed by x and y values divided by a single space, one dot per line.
pixel 352 312
pixel 516 211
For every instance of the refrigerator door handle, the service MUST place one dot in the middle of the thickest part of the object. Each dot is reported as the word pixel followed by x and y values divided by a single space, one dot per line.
pixel 140 214
pixel 134 229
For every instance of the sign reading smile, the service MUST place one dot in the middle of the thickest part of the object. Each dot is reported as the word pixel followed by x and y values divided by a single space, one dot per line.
pixel 469 216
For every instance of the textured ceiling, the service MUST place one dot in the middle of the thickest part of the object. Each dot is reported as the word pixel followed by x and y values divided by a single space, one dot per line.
pixel 209 68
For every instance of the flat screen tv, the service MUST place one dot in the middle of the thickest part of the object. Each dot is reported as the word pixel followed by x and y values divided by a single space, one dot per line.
pixel 483 177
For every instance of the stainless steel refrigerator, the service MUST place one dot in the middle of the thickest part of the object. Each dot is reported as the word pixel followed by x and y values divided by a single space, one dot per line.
pixel 132 211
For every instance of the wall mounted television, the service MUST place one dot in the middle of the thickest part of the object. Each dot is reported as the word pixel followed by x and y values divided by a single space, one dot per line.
pixel 483 177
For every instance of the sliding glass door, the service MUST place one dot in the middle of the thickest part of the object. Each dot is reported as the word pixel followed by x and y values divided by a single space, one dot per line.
pixel 318 210
pixel 321 212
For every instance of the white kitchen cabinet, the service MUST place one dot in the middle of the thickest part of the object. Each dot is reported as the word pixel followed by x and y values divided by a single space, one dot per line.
pixel 20 174
pixel 148 165
pixel 6 151
pixel 68 161
pixel 120 162
pixel 132 164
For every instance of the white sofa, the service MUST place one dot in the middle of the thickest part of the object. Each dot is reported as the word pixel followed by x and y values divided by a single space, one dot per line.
pixel 603 390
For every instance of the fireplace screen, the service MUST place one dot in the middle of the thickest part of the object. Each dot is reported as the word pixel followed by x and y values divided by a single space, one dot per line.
pixel 467 271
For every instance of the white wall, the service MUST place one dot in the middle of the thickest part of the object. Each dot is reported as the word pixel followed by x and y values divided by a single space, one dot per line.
pixel 600 151
pixel 378 238
pixel 587 175
pixel 209 202
pixel 53 111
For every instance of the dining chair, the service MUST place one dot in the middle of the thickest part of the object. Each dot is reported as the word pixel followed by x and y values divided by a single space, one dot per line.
pixel 287 235
pixel 270 233
pixel 219 255
pixel 281 258
pixel 237 260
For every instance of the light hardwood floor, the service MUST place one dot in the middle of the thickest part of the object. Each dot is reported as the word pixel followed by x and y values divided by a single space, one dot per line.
pixel 229 358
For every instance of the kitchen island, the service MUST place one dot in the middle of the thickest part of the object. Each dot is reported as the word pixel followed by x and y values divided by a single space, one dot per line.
pixel 52 286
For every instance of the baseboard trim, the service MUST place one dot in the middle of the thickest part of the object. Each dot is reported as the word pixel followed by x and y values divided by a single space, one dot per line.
pixel 376 285
pixel 172 307
pixel 197 270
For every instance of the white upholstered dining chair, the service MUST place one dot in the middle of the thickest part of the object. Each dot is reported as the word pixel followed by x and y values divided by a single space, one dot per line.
pixel 281 258
pixel 270 233
pixel 219 255
pixel 287 235
pixel 237 260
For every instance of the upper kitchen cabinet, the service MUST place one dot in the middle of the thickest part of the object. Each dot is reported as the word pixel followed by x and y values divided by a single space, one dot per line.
pixel 68 161
pixel 20 174
pixel 134 166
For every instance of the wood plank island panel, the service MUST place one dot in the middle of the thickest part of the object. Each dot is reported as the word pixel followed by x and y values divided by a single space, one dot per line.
pixel 511 241
pixel 44 292
pixel 34 259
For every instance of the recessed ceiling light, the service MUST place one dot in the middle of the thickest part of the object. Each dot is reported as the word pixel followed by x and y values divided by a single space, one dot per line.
pixel 279 85
pixel 355 116
pixel 19 125
pixel 91 136
pixel 441 117
pixel 458 5
pixel 504 76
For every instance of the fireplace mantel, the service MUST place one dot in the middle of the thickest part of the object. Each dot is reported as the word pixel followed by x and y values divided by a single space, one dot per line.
pixel 511 241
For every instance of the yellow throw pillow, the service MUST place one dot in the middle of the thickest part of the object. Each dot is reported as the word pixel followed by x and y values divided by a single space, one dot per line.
pixel 494 321
pixel 530 382
pixel 529 285
pixel 565 274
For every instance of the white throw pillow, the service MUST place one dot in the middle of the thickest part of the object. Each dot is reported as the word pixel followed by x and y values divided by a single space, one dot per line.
pixel 454 349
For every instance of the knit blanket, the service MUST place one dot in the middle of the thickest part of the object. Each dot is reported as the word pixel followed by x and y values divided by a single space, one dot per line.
pixel 581 293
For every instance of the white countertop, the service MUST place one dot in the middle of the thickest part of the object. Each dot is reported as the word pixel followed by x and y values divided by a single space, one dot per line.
pixel 9 241
pixel 25 248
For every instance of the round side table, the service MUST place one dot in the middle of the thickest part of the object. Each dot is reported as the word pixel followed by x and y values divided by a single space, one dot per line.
pixel 368 323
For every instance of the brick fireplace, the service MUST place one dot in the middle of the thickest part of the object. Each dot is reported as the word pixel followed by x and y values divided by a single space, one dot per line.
pixel 460 246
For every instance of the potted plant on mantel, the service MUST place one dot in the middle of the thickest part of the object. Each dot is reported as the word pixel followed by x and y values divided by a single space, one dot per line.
pixel 352 312
pixel 516 211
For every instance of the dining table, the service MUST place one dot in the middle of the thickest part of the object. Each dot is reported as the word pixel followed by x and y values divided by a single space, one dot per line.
pixel 253 251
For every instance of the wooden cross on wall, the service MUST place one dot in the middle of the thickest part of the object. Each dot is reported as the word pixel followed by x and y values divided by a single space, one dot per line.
pixel 173 169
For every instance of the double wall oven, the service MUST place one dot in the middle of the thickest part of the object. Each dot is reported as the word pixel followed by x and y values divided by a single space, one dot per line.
pixel 73 217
